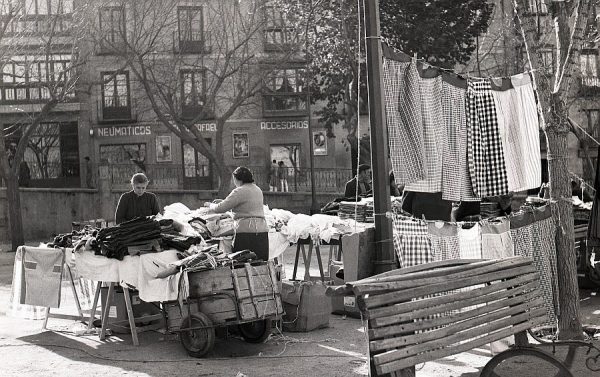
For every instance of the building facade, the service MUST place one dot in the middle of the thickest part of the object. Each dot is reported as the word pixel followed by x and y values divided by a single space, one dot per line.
pixel 111 127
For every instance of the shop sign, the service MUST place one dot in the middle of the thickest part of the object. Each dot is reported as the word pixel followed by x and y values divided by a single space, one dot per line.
pixel 124 131
pixel 284 125
pixel 208 127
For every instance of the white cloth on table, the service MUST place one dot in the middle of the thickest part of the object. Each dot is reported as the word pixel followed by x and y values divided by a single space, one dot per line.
pixel 137 271
pixel 299 226
pixel 277 244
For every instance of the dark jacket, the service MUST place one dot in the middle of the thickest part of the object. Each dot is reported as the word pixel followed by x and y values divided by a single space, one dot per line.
pixel 131 206
pixel 350 191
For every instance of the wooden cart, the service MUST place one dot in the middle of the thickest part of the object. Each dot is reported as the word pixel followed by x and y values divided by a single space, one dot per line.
pixel 246 295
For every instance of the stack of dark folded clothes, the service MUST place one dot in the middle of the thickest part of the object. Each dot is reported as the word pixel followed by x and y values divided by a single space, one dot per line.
pixel 113 241
pixel 178 241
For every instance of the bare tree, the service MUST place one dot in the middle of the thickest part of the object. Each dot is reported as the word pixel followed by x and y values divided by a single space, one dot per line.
pixel 197 63
pixel 39 60
pixel 569 20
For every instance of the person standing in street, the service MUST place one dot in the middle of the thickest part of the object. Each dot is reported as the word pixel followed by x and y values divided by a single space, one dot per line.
pixel 137 202
pixel 273 176
pixel 282 174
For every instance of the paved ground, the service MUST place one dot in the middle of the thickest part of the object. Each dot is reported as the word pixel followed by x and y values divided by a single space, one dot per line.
pixel 339 350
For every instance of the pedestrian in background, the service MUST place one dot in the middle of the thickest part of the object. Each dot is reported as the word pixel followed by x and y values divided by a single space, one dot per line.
pixel 282 174
pixel 273 176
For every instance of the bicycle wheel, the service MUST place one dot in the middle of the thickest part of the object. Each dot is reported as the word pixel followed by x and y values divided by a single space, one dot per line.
pixel 521 361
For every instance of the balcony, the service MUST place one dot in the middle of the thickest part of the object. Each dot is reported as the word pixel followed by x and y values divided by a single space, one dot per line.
pixel 590 87
pixel 196 43
pixel 116 114
pixel 289 104
pixel 29 93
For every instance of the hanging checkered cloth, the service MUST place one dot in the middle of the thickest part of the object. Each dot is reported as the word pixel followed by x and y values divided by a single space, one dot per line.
pixel 411 241
pixel 404 121
pixel 444 240
pixel 456 181
pixel 484 146
pixel 536 241
pixel 434 136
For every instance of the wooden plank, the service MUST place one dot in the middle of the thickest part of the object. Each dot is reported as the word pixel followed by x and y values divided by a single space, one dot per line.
pixel 402 353
pixel 250 280
pixel 373 301
pixel 428 269
pixel 382 328
pixel 467 297
pixel 203 282
pixel 446 277
pixel 457 324
pixel 264 308
pixel 438 354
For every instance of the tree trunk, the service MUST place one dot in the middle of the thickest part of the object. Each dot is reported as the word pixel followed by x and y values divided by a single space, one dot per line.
pixel 224 182
pixel 14 211
pixel 569 323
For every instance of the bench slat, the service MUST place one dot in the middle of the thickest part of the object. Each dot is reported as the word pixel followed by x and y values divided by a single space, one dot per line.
pixel 403 295
pixel 483 316
pixel 443 278
pixel 457 300
pixel 447 351
pixel 379 332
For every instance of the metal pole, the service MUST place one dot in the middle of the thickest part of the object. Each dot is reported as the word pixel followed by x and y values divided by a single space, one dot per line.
pixel 384 258
pixel 314 208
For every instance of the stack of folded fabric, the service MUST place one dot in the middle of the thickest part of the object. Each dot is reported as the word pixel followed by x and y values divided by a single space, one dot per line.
pixel 113 242
pixel 178 241
pixel 353 210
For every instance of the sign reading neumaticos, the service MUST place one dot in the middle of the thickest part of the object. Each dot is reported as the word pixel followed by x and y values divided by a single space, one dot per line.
pixel 124 131
pixel 284 125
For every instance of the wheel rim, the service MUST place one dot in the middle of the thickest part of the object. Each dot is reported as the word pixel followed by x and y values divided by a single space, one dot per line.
pixel 197 341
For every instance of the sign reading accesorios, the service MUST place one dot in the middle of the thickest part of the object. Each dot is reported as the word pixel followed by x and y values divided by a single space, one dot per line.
pixel 284 125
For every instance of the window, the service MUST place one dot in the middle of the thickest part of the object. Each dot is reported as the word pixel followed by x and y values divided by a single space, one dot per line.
pixel 116 103
pixel 192 92
pixel 29 78
pixel 191 30
pixel 537 7
pixel 547 61
pixel 593 126
pixel 124 160
pixel 38 16
pixel 279 32
pixel 112 28
pixel 52 154
pixel 283 91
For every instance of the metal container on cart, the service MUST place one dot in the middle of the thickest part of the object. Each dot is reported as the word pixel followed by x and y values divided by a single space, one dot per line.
pixel 247 295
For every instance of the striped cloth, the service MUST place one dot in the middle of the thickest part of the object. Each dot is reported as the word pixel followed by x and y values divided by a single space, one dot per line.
pixel 529 132
pixel 404 120
pixel 484 147
pixel 470 242
pixel 495 239
pixel 434 136
pixel 456 181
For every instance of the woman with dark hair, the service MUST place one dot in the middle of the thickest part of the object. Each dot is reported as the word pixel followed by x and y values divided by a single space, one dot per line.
pixel 246 202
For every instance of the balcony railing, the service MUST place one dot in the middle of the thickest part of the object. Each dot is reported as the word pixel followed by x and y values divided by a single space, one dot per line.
pixel 284 103
pixel 590 86
pixel 199 42
pixel 116 114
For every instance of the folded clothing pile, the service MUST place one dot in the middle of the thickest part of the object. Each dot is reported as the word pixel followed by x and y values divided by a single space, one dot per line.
pixel 178 241
pixel 112 242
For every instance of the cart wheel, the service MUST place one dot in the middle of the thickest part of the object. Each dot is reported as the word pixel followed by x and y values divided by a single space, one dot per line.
pixel 257 331
pixel 197 342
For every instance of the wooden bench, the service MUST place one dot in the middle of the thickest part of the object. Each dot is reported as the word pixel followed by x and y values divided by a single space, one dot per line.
pixel 426 312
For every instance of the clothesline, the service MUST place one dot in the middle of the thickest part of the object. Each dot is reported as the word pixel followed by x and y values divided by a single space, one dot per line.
pixel 390 51
pixel 582 181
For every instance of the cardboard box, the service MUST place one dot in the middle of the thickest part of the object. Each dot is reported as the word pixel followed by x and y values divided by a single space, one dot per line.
pixel 117 314
pixel 306 305
pixel 342 305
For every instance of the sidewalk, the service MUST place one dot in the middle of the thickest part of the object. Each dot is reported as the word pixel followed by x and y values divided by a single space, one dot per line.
pixel 339 350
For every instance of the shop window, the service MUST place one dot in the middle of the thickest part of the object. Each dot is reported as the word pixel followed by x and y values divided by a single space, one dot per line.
pixel 124 160
pixel 193 98
pixel 283 92
pixel 191 35
pixel 279 31
pixel 52 154
pixel 196 168
pixel 112 29
pixel 28 78
pixel 116 104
